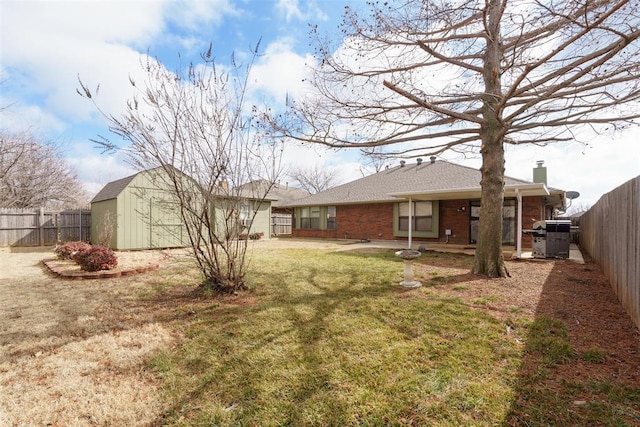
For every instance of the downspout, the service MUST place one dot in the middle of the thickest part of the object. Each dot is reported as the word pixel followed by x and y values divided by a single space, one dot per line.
pixel 519 226
pixel 410 222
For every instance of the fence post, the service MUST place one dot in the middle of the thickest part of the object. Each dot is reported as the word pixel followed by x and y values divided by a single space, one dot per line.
pixel 41 226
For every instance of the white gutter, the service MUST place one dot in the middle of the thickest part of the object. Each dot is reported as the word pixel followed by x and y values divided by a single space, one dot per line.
pixel 526 189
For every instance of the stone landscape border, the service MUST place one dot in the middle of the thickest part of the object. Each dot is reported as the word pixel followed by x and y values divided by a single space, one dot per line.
pixel 62 269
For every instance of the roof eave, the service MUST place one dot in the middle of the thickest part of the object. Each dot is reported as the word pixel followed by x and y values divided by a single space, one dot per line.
pixel 510 190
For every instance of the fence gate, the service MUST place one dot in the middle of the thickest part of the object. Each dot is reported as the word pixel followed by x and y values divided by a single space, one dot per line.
pixel 280 223
pixel 29 227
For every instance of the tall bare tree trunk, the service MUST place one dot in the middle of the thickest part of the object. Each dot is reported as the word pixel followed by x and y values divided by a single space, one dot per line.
pixel 489 259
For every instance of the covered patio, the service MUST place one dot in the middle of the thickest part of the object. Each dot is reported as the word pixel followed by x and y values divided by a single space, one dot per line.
pixel 553 198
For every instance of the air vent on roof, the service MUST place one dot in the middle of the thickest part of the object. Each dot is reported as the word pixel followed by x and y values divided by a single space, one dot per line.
pixel 402 162
pixel 433 159
pixel 419 160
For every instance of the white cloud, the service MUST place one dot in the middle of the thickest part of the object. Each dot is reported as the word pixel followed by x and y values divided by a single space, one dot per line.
pixel 592 171
pixel 46 45
pixel 94 169
pixel 193 14
pixel 18 117
pixel 32 24
pixel 280 71
pixel 292 11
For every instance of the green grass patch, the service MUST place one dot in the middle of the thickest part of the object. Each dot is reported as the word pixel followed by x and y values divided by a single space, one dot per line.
pixel 548 337
pixel 334 341
pixel 329 338
pixel 572 403
pixel 594 355
pixel 486 300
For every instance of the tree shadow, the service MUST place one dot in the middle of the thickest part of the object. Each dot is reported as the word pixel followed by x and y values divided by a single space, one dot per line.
pixel 306 316
pixel 307 305
pixel 581 359
pixel 104 305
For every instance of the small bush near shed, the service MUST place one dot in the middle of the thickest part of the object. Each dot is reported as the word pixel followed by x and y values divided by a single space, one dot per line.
pixel 252 236
pixel 71 250
pixel 97 258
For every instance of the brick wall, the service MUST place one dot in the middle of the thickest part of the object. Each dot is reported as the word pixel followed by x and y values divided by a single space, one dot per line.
pixel 454 215
pixel 532 211
pixel 370 221
pixel 316 234
pixel 375 222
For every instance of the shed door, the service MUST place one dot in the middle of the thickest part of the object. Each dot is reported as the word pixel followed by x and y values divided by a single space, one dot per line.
pixel 165 226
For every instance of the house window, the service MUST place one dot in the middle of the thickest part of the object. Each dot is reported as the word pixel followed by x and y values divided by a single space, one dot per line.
pixel 310 217
pixel 421 216
pixel 508 221
pixel 331 217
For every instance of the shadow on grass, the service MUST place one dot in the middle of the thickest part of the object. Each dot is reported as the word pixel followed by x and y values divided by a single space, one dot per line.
pixel 55 312
pixel 286 351
pixel 581 363
pixel 429 257
pixel 303 332
pixel 342 347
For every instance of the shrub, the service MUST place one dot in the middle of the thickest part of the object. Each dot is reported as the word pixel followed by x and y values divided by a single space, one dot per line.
pixel 97 258
pixel 71 250
pixel 252 236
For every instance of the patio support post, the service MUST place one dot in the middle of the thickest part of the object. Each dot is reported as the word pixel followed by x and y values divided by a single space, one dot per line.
pixel 519 226
pixel 410 222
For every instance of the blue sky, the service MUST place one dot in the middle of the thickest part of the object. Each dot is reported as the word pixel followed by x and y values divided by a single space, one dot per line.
pixel 45 45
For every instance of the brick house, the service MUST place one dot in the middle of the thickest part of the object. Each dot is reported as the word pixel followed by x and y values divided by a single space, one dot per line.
pixel 435 201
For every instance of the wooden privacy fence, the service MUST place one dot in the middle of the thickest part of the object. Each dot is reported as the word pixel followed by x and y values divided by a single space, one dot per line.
pixel 29 227
pixel 610 233
pixel 280 224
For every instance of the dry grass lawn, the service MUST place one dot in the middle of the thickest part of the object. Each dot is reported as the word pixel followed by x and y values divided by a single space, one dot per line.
pixel 90 352
pixel 74 353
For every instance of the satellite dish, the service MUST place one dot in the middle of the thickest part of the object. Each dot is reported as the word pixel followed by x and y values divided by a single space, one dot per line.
pixel 572 195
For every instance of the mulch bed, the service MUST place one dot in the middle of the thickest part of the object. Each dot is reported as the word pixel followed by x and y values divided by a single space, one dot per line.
pixel 70 270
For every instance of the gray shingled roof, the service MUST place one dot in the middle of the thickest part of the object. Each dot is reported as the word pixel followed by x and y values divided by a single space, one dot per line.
pixel 278 194
pixel 283 195
pixel 427 177
pixel 112 189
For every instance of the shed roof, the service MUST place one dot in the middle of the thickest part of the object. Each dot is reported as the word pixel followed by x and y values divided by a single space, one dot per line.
pixel 428 180
pixel 113 188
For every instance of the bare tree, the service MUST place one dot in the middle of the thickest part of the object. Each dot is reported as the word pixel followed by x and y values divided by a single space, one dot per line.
pixel 577 209
pixel 314 179
pixel 35 174
pixel 6 106
pixel 374 160
pixel 194 128
pixel 423 77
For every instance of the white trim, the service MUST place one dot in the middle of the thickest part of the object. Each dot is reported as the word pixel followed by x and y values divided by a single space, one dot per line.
pixel 519 226
pixel 528 189
pixel 410 221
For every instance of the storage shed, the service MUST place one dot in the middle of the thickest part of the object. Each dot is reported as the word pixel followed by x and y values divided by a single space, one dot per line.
pixel 139 212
